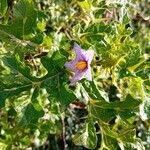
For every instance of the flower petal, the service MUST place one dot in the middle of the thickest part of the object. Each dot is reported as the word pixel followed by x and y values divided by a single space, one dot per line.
pixel 88 74
pixel 77 76
pixel 71 65
pixel 79 52
pixel 89 56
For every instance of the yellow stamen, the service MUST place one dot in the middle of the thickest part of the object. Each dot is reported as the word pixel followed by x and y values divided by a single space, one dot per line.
pixel 81 65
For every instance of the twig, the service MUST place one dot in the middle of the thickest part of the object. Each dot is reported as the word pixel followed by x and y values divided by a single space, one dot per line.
pixel 64 131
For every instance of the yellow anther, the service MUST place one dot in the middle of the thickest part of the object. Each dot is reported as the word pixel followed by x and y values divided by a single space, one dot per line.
pixel 81 65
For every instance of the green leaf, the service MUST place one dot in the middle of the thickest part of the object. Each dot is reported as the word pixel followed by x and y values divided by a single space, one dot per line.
pixel 86 137
pixel 99 28
pixel 103 47
pixel 54 63
pixel 47 42
pixel 30 115
pixel 19 80
pixel 146 106
pixel 92 90
pixel 59 59
pixel 127 113
pixel 134 55
pixel 126 19
pixel 38 38
pixel 138 145
pixel 66 96
pixel 3 7
pixel 135 88
pixel 58 90
pixel 55 81
pixel 15 64
pixel 85 5
pixel 23 8
pixel 41 26
pixel 25 20
pixel 33 111
pixel 48 64
pixel 109 143
pixel 126 135
pixel 102 114
pixel 128 103
pixel 7 91
pixel 3 146
pixel 106 111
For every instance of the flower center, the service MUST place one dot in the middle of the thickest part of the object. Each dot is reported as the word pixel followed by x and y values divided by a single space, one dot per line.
pixel 81 65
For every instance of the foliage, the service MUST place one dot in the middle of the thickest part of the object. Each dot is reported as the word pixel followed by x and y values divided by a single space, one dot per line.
pixel 39 108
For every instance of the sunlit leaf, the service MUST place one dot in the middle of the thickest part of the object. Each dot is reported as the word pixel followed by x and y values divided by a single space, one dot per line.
pixel 86 137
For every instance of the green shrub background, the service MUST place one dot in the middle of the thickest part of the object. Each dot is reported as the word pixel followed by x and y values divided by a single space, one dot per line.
pixel 39 110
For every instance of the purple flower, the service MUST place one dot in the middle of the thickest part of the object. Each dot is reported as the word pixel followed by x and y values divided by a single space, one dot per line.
pixel 81 64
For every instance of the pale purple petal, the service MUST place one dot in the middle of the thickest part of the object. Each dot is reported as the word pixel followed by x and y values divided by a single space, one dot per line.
pixel 79 52
pixel 81 55
pixel 71 65
pixel 89 56
pixel 77 76
pixel 88 74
